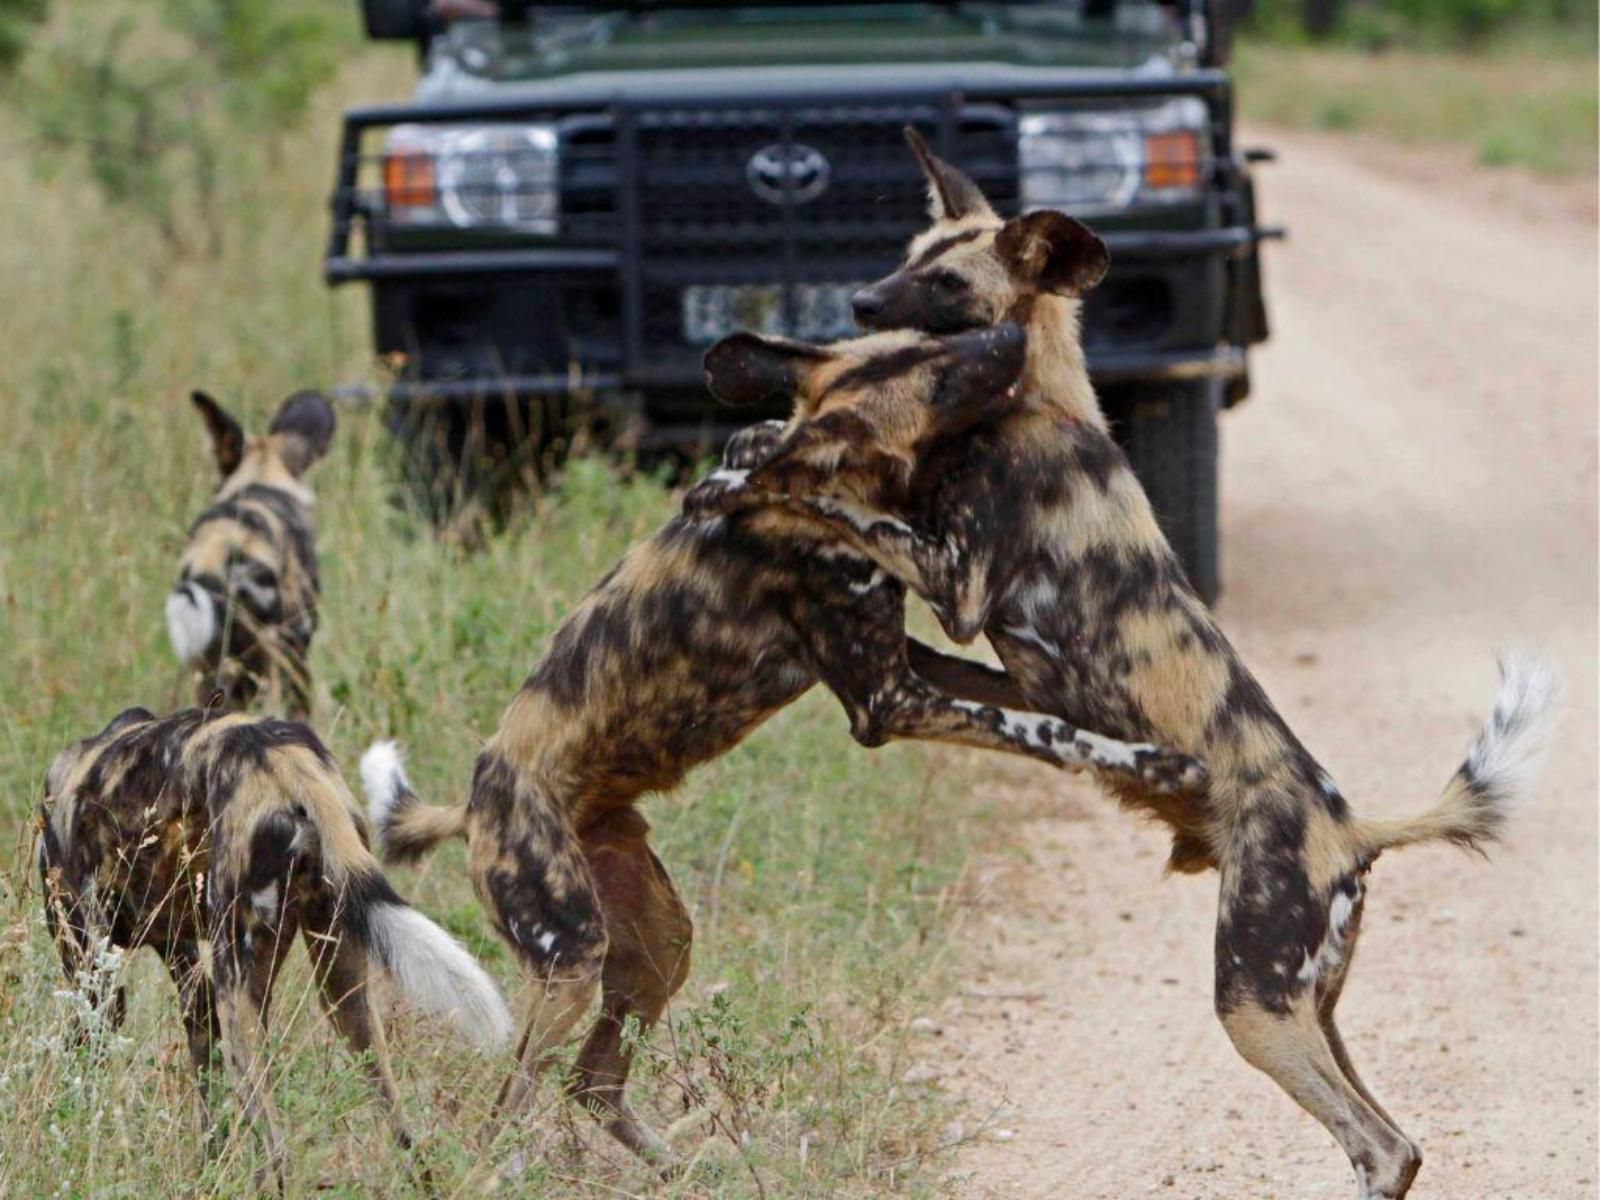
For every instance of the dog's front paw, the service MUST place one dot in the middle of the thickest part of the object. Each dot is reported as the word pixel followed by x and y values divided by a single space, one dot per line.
pixel 752 445
pixel 1169 773
pixel 719 493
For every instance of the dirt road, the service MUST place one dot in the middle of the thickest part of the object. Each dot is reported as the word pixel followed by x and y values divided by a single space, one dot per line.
pixel 1412 489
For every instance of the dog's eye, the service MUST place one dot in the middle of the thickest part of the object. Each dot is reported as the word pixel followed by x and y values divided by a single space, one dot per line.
pixel 948 281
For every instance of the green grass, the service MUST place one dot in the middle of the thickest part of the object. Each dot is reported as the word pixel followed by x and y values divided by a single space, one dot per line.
pixel 1513 107
pixel 821 876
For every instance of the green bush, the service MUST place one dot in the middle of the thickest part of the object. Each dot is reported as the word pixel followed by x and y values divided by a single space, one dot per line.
pixel 162 101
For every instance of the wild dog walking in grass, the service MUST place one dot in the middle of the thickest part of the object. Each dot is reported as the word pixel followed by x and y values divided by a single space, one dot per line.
pixel 698 636
pixel 245 605
pixel 1034 531
pixel 239 832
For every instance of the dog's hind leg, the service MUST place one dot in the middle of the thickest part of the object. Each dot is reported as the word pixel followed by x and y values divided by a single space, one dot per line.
pixel 1330 987
pixel 245 974
pixel 528 867
pixel 559 997
pixel 340 966
pixel 647 961
pixel 253 920
pixel 1268 966
pixel 197 1003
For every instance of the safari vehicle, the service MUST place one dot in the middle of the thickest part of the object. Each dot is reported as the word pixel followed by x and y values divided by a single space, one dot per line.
pixel 581 197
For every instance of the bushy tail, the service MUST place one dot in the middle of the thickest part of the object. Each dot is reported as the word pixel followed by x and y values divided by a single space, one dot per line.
pixel 404 829
pixel 1499 770
pixel 432 969
pixel 192 623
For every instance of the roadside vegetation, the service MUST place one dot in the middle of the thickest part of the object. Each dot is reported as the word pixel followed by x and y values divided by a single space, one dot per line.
pixel 823 878
pixel 1513 83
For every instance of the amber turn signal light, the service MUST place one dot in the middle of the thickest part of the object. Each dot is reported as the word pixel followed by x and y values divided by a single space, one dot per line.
pixel 408 180
pixel 1172 160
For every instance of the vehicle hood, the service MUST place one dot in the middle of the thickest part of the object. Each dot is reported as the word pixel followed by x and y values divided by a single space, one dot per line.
pixel 623 54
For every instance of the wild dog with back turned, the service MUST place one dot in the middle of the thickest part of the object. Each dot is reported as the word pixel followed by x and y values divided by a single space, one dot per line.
pixel 698 636
pixel 1035 532
pixel 238 832
pixel 245 605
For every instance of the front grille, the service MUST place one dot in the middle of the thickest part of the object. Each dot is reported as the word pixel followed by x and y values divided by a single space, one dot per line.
pixel 702 221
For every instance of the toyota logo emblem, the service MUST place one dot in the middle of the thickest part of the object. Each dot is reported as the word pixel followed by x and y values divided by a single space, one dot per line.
pixel 807 171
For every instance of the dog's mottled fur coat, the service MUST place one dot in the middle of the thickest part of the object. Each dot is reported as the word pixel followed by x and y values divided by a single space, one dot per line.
pixel 1035 532
pixel 699 635
pixel 239 832
pixel 243 610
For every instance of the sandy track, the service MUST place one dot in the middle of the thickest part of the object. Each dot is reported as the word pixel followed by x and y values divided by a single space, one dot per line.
pixel 1412 489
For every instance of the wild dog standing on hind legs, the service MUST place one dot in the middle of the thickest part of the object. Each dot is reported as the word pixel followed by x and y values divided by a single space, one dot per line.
pixel 1034 531
pixel 698 636
pixel 239 832
pixel 245 605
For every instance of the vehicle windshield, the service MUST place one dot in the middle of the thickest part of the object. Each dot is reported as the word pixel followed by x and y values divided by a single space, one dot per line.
pixel 834 8
pixel 563 39
pixel 655 5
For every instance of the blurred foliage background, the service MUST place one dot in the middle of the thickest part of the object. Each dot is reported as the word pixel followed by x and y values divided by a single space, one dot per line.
pixel 1422 24
pixel 1510 81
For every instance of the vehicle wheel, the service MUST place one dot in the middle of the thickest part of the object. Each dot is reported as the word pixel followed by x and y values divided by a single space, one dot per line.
pixel 1169 431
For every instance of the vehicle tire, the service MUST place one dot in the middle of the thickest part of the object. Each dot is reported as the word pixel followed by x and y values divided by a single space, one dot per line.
pixel 1169 431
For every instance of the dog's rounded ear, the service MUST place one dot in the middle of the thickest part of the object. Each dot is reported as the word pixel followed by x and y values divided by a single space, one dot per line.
pixel 227 437
pixel 746 368
pixel 305 425
pixel 979 381
pixel 1053 252
pixel 125 718
pixel 951 193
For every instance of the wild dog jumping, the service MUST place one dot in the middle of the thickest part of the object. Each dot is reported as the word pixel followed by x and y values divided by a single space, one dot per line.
pixel 698 636
pixel 245 605
pixel 239 832
pixel 1034 531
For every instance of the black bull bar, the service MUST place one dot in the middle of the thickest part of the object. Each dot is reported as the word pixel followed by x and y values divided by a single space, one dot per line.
pixel 614 241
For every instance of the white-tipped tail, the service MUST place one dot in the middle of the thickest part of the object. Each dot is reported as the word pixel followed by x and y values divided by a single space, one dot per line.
pixel 383 779
pixel 438 976
pixel 1504 762
pixel 1499 771
pixel 191 621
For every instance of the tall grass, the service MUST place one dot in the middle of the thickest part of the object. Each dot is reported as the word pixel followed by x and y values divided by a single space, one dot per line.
pixel 820 876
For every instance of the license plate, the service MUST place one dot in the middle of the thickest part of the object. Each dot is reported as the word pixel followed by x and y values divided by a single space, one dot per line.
pixel 821 311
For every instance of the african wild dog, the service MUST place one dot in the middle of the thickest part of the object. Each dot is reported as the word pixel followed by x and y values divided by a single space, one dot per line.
pixel 970 269
pixel 238 832
pixel 1034 531
pixel 698 636
pixel 245 605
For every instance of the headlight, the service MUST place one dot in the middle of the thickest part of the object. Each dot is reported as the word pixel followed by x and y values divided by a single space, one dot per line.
pixel 1088 162
pixel 474 176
